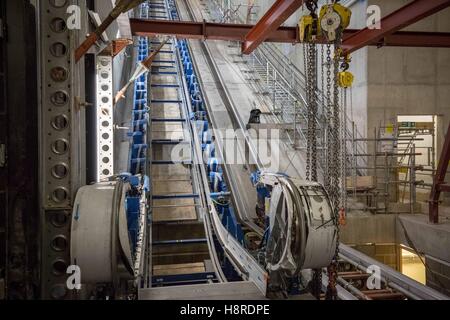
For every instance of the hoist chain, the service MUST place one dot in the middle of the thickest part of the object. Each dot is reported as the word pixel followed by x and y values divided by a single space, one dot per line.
pixel 344 150
pixel 312 133
pixel 335 177
pixel 329 116
pixel 311 100
pixel 322 74
pixel 333 169
pixel 308 93
pixel 335 172
pixel 310 64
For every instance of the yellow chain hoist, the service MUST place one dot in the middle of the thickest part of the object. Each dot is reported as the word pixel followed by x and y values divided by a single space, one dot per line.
pixel 345 77
pixel 308 25
pixel 308 28
pixel 334 18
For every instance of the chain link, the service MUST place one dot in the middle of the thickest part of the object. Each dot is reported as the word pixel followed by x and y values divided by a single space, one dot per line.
pixel 312 99
pixel 329 116
pixel 312 127
pixel 308 94
pixel 337 175
pixel 311 72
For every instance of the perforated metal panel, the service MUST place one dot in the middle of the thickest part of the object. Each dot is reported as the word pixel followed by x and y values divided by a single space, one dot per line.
pixel 104 111
pixel 61 141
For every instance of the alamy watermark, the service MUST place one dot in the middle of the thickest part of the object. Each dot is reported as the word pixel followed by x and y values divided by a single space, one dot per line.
pixel 232 147
pixel 374 280
pixel 373 13
pixel 74 279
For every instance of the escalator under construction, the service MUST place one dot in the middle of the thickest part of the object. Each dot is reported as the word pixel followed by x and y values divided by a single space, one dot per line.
pixel 171 226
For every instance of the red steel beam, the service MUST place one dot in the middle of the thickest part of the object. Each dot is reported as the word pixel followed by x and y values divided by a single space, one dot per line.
pixel 438 181
pixel 207 30
pixel 271 21
pixel 116 46
pixel 414 39
pixel 403 17
pixel 237 32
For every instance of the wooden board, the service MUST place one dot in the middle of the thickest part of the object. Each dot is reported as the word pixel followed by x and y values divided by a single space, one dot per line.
pixel 164 170
pixel 165 93
pixel 165 110
pixel 172 187
pixel 168 135
pixel 178 152
pixel 184 268
pixel 362 183
pixel 215 291
pixel 167 126
pixel 174 214
pixel 169 202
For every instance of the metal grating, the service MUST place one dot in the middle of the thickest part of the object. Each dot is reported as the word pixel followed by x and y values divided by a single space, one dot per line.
pixel 105 124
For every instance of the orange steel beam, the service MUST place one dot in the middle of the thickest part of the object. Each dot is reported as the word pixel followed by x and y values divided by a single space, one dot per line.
pixel 206 30
pixel 237 32
pixel 399 19
pixel 280 11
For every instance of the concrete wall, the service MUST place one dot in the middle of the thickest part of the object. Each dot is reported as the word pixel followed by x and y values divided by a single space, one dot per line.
pixel 387 254
pixel 410 81
pixel 362 228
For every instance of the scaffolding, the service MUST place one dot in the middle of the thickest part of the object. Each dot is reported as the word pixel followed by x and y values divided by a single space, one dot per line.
pixel 393 169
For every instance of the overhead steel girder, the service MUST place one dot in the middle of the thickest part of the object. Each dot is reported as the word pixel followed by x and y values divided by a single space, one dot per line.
pixel 413 39
pixel 271 21
pixel 237 32
pixel 207 30
pixel 403 17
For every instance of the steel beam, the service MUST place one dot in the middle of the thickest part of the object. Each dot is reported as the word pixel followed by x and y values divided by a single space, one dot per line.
pixel 412 39
pixel 237 32
pixel 438 181
pixel 207 30
pixel 403 17
pixel 271 21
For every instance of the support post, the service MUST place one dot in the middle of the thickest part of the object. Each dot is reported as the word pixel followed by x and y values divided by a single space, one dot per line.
pixel 438 180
